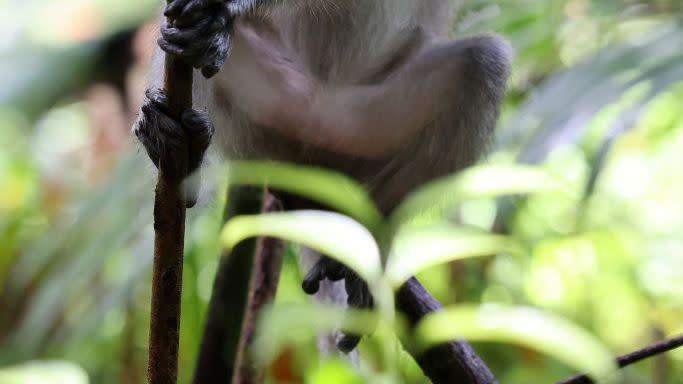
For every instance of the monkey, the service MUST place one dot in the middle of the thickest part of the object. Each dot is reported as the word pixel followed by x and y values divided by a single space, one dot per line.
pixel 374 89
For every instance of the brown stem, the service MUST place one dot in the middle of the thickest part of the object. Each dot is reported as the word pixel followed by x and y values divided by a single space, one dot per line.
pixel 633 357
pixel 452 362
pixel 169 231
pixel 262 289
pixel 245 281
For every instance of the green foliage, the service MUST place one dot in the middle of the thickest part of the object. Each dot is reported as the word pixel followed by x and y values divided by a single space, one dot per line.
pixel 44 372
pixel 333 234
pixel 412 249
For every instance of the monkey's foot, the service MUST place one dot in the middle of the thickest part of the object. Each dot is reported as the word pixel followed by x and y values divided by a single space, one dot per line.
pixel 356 289
pixel 199 33
pixel 179 142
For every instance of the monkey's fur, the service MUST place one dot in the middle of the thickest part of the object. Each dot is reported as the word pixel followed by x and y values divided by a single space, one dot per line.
pixel 371 88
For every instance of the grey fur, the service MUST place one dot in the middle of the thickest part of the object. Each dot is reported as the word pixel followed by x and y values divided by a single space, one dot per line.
pixel 344 44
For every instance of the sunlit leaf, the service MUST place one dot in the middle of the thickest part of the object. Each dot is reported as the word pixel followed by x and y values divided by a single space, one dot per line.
pixel 44 372
pixel 334 371
pixel 332 234
pixel 477 182
pixel 327 187
pixel 533 328
pixel 416 249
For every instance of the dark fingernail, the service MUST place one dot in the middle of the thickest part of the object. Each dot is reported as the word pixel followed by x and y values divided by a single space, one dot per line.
pixel 146 109
pixel 168 47
pixel 335 273
pixel 163 44
pixel 348 343
pixel 209 71
pixel 190 201
pixel 172 9
pixel 311 286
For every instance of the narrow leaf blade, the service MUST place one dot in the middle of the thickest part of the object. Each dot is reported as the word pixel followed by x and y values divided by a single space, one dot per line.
pixel 477 182
pixel 47 372
pixel 416 249
pixel 533 328
pixel 332 234
pixel 330 188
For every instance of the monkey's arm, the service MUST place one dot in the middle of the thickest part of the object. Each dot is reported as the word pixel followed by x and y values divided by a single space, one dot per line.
pixel 366 120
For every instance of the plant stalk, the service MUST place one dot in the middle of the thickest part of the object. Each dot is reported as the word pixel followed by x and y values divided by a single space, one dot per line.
pixel 169 233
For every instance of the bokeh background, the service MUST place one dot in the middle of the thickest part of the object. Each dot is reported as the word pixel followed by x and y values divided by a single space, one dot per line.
pixel 596 97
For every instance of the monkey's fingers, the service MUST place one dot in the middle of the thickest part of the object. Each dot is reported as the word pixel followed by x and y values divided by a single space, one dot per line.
pixel 348 342
pixel 204 45
pixel 158 133
pixel 325 268
pixel 157 98
pixel 201 44
pixel 311 283
pixel 162 136
pixel 187 34
pixel 199 33
pixel 358 293
pixel 181 8
pixel 359 297
pixel 199 130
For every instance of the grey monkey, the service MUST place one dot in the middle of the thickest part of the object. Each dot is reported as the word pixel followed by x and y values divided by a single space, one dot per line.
pixel 371 88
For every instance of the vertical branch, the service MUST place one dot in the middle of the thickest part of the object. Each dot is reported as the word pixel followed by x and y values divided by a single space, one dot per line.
pixel 246 280
pixel 262 288
pixel 169 231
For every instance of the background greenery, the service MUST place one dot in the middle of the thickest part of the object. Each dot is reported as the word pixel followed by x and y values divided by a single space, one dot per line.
pixel 595 99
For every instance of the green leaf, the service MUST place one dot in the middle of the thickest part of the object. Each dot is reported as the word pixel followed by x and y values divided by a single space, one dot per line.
pixel 332 234
pixel 490 181
pixel 415 249
pixel 332 371
pixel 281 326
pixel 530 327
pixel 44 372
pixel 330 188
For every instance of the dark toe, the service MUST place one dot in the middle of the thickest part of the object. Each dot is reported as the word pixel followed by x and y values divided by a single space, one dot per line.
pixel 311 283
pixel 157 98
pixel 163 136
pixel 348 343
pixel 357 290
pixel 199 131
pixel 335 270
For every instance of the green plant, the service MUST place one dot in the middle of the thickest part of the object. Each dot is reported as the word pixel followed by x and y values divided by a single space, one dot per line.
pixel 386 252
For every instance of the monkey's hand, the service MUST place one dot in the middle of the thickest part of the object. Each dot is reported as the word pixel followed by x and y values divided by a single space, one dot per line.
pixel 165 137
pixel 199 33
pixel 357 290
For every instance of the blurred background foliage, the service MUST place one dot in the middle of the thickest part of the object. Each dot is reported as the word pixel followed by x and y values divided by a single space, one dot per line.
pixel 595 97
